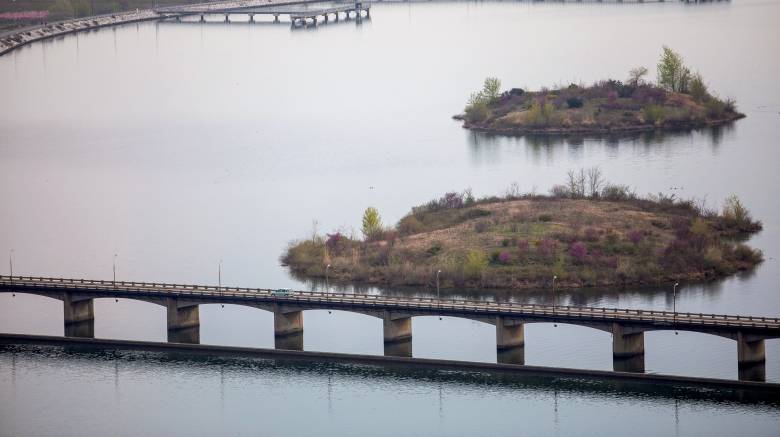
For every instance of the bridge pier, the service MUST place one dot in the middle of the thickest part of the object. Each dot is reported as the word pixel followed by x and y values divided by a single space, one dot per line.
pixel 227 20
pixel 397 334
pixel 251 18
pixel 202 20
pixel 288 329
pixel 628 350
pixel 79 316
pixel 751 358
pixel 183 321
pixel 276 19
pixel 510 341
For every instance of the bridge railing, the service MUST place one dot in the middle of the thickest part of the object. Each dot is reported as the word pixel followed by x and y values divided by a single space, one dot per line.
pixel 428 303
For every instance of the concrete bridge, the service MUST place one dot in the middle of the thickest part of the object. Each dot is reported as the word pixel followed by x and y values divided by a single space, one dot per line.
pixel 627 326
pixel 301 13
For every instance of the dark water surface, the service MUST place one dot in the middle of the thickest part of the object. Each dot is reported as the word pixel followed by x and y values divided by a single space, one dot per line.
pixel 177 145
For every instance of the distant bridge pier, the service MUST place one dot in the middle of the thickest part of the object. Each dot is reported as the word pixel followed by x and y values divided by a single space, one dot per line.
pixel 751 358
pixel 202 19
pixel 183 321
pixel 510 341
pixel 251 18
pixel 628 349
pixel 397 330
pixel 79 316
pixel 288 329
pixel 276 18
pixel 227 19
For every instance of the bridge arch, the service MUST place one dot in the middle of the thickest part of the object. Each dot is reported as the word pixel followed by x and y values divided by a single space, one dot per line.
pixel 30 313
pixel 236 325
pixel 454 338
pixel 128 318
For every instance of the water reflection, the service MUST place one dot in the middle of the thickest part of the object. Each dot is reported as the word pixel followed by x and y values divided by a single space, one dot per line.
pixel 487 147
pixel 240 368
pixel 648 297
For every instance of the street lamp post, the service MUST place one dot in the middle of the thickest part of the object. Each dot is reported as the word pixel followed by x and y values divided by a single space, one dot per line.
pixel 11 268
pixel 327 287
pixel 219 282
pixel 555 325
pixel 674 305
pixel 116 299
pixel 438 292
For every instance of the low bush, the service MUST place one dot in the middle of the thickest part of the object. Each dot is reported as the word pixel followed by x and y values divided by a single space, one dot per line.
pixel 579 252
pixel 574 102
pixel 654 114
pixel 410 225
pixel 474 264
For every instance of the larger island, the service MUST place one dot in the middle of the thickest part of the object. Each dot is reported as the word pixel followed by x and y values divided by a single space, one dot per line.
pixel 585 233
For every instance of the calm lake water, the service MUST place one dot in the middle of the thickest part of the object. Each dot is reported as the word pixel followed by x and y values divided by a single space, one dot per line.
pixel 177 145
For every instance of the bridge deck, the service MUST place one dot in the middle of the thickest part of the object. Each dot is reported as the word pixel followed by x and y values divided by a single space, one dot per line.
pixel 249 296
pixel 270 10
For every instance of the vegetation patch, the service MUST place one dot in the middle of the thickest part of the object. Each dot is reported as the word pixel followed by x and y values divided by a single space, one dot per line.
pixel 587 232
pixel 678 100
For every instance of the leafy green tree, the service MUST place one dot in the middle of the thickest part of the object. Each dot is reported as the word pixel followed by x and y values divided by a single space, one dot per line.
pixel 477 107
pixel 372 223
pixel 491 88
pixel 698 88
pixel 673 75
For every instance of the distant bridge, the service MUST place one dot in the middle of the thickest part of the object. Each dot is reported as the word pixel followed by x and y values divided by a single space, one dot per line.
pixel 301 13
pixel 627 326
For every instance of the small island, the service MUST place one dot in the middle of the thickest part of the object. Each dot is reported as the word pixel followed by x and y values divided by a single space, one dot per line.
pixel 586 233
pixel 680 100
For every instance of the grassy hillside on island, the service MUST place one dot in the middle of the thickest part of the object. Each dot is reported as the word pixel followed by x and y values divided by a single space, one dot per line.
pixel 587 233
pixel 679 100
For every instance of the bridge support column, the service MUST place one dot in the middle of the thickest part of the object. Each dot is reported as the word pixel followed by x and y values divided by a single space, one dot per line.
pixel 751 358
pixel 202 20
pixel 227 20
pixel 251 18
pixel 510 341
pixel 79 316
pixel 288 329
pixel 628 350
pixel 397 335
pixel 183 322
pixel 276 19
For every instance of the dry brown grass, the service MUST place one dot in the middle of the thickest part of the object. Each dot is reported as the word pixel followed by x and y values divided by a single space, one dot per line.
pixel 524 242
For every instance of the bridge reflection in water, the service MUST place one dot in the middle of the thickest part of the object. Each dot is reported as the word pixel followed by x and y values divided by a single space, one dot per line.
pixel 627 326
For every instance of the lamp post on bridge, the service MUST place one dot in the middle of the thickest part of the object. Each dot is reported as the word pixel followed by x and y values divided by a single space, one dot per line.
pixel 674 305
pixel 11 268
pixel 116 299
pixel 219 282
pixel 555 325
pixel 327 287
pixel 438 293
